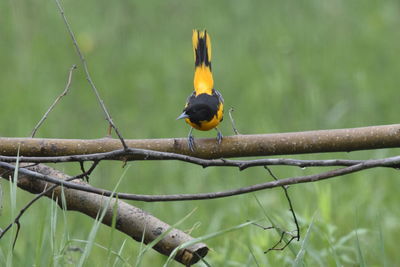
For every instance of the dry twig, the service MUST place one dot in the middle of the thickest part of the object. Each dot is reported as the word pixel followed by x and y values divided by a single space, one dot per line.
pixel 55 101
pixel 292 237
pixel 88 77
pixel 131 153
pixel 392 161
pixel 233 122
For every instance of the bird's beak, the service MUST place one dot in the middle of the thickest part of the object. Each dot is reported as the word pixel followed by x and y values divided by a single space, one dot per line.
pixel 183 116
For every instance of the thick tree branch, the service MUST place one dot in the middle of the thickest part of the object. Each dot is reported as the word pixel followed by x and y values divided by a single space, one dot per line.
pixel 130 220
pixel 340 140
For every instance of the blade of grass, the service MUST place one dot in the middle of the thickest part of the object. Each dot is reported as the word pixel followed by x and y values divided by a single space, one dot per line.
pixel 13 186
pixel 138 259
pixel 1 199
pixel 65 235
pixel 97 223
pixel 381 242
pixel 39 242
pixel 343 240
pixel 204 238
pixel 3 258
pixel 333 251
pixel 300 255
pixel 160 237
pixel 112 230
pixel 360 256
pixel 119 254
pixel 253 257
pixel 13 200
pixel 53 228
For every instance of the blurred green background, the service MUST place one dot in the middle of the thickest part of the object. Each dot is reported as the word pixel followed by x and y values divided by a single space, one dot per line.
pixel 283 65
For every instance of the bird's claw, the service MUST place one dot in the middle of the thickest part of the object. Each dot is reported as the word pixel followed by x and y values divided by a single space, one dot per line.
pixel 219 137
pixel 191 143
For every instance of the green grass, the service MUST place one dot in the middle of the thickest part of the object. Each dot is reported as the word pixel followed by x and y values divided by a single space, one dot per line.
pixel 283 66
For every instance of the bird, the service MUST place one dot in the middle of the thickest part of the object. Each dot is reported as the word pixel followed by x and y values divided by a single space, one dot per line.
pixel 204 108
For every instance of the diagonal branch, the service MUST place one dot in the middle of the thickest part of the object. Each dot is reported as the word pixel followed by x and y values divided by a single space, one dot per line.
pixel 88 77
pixel 130 220
pixel 46 191
pixel 55 101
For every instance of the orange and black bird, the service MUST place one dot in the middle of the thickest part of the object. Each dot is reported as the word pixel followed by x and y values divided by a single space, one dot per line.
pixel 205 106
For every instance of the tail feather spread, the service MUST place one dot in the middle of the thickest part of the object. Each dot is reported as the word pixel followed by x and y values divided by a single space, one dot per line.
pixel 203 80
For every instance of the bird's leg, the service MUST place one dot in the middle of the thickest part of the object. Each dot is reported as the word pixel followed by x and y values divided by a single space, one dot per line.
pixel 109 131
pixel 219 136
pixel 191 140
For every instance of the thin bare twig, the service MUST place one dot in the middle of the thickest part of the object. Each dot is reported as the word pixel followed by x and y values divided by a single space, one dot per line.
pixel 55 101
pixel 282 236
pixel 88 77
pixel 274 247
pixel 285 189
pixel 82 166
pixel 292 237
pixel 181 197
pixel 123 155
pixel 233 121
pixel 263 227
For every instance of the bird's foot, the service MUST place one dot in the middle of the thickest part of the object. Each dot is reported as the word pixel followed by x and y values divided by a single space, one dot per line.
pixel 191 143
pixel 219 136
